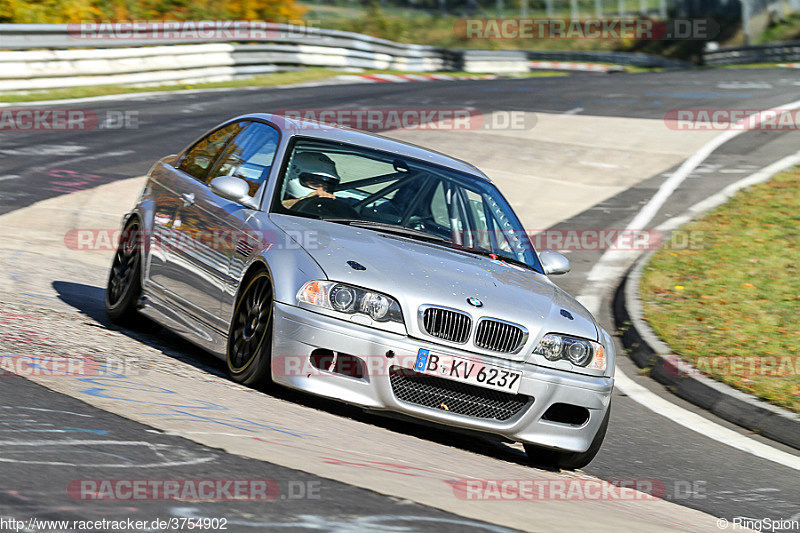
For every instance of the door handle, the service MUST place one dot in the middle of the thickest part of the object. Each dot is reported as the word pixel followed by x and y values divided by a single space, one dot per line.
pixel 188 199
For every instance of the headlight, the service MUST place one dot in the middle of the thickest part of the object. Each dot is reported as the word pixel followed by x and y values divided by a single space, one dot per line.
pixel 351 300
pixel 579 352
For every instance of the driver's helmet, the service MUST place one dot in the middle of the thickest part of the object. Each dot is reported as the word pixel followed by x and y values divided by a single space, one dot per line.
pixel 313 162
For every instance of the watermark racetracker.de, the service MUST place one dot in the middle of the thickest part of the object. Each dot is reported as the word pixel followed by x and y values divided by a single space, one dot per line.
pixel 66 366
pixel 192 30
pixel 210 489
pixel 441 119
pixel 730 365
pixel 732 119
pixel 66 120
pixel 634 29
pixel 578 489
pixel 107 239
pixel 222 240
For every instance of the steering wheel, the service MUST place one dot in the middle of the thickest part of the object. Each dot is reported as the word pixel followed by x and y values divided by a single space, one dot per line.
pixel 331 207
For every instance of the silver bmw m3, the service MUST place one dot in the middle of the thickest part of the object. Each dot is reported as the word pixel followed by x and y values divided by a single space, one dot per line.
pixel 369 271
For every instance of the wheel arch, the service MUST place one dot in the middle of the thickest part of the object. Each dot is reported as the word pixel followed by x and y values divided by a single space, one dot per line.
pixel 135 214
pixel 258 265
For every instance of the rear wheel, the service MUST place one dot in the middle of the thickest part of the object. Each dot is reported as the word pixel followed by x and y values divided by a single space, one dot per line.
pixel 538 455
pixel 124 281
pixel 250 339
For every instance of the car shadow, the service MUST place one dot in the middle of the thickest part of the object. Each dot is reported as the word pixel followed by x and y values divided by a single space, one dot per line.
pixel 89 301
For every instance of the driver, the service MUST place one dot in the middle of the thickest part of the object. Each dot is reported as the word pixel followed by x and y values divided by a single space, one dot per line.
pixel 310 175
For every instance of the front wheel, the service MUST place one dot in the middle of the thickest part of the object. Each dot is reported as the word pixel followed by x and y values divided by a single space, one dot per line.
pixel 250 338
pixel 124 281
pixel 569 460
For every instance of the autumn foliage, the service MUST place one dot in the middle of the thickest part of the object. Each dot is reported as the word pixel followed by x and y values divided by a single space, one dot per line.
pixel 71 11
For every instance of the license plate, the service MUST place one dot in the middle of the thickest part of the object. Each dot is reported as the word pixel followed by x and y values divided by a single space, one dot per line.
pixel 467 371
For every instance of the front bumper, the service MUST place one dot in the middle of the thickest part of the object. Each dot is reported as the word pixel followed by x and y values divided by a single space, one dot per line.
pixel 299 332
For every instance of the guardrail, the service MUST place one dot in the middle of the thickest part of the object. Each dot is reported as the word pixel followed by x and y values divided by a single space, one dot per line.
pixel 191 63
pixel 616 58
pixel 760 53
pixel 60 36
pixel 44 56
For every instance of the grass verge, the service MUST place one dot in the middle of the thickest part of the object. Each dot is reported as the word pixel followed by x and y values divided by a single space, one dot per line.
pixel 266 80
pixel 731 305
pixel 756 65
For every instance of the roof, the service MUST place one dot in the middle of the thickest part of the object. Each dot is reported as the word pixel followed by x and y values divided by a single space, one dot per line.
pixel 330 132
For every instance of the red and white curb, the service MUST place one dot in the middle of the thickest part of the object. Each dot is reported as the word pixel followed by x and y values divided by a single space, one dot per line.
pixel 789 65
pixel 572 65
pixel 405 78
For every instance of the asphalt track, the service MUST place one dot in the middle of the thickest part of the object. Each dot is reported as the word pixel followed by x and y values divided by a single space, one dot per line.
pixel 640 444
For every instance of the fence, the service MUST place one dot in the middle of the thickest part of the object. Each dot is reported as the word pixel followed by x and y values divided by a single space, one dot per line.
pixel 336 11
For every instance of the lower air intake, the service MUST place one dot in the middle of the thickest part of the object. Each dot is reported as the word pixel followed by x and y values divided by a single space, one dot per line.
pixel 455 397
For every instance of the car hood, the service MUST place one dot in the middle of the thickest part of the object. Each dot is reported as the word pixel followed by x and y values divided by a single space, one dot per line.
pixel 417 273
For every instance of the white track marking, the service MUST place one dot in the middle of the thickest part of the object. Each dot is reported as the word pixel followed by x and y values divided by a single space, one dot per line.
pixel 153 447
pixel 598 164
pixel 45 149
pixel 612 265
pixel 613 262
pixel 668 187
pixel 719 198
pixel 144 95
pixel 702 425
pixel 15 407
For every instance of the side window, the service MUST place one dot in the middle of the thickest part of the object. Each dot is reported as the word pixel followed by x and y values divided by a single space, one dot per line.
pixel 484 239
pixel 203 154
pixel 446 210
pixel 477 217
pixel 249 156
pixel 439 207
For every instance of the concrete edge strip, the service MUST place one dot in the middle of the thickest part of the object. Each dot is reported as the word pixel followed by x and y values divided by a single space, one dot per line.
pixel 613 265
pixel 647 350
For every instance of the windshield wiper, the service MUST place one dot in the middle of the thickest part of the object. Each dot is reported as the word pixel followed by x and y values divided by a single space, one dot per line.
pixel 493 255
pixel 389 228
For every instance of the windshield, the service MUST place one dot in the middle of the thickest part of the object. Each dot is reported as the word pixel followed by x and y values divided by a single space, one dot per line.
pixel 386 192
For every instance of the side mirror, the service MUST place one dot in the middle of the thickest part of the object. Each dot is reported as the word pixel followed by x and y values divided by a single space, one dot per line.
pixel 234 189
pixel 554 263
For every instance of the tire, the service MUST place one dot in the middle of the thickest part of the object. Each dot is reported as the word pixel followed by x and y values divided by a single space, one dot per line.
pixel 124 286
pixel 250 337
pixel 538 455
